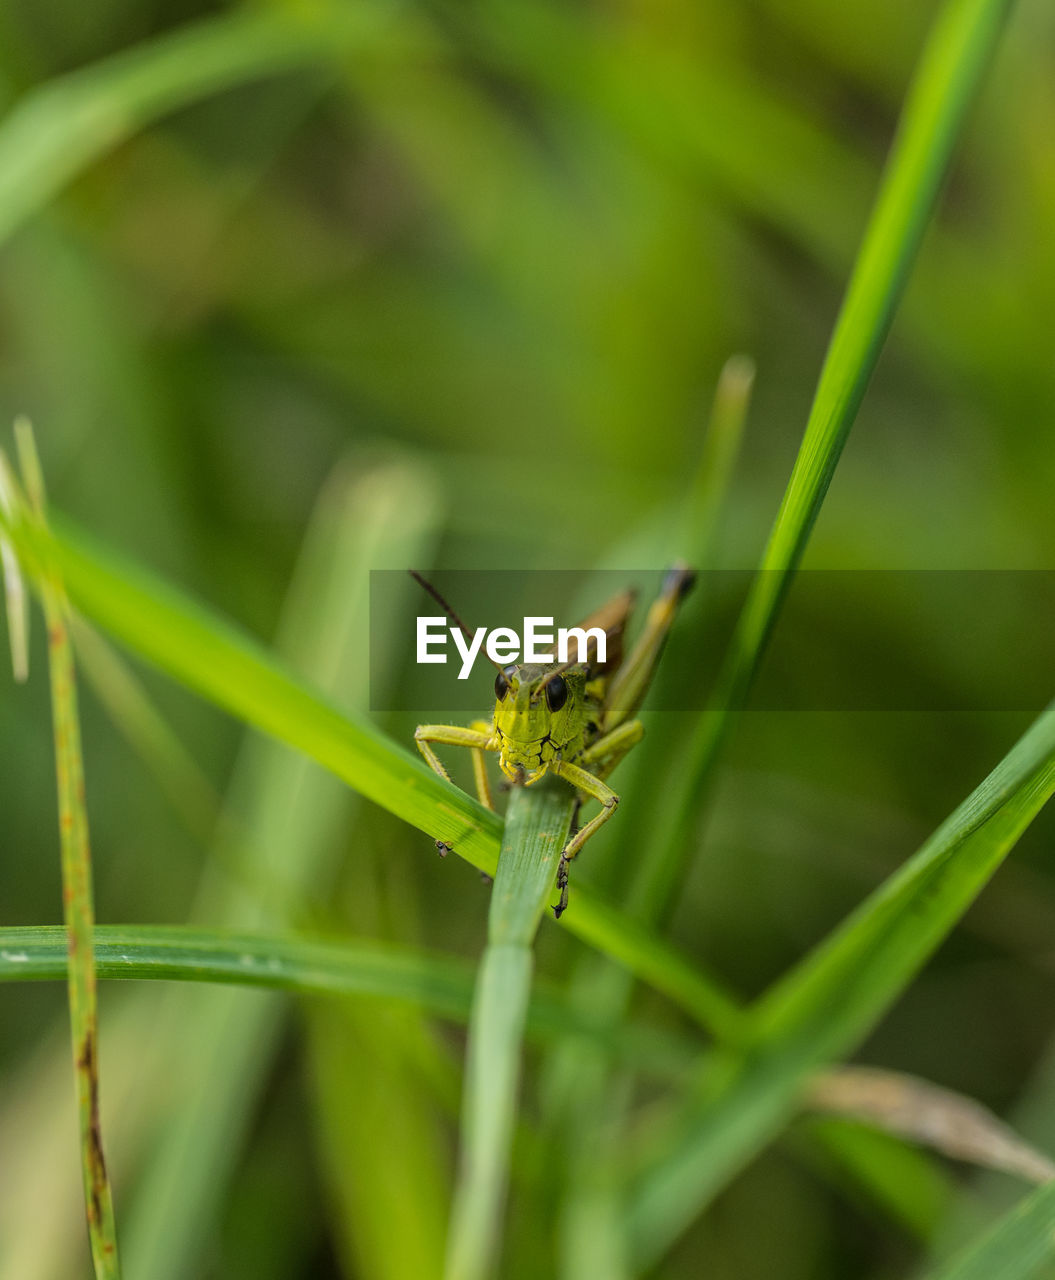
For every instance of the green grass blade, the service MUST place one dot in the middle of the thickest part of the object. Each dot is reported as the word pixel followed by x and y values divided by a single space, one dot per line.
pixel 1014 1249
pixel 312 966
pixel 956 56
pixel 216 660
pixel 823 1009
pixel 437 983
pixel 60 128
pixel 537 824
pixel 946 82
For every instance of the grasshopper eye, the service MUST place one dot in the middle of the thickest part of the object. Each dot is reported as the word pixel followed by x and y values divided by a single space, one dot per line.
pixel 556 693
pixel 501 685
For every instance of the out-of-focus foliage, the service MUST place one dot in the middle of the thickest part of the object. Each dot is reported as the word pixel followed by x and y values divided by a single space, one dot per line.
pixel 503 250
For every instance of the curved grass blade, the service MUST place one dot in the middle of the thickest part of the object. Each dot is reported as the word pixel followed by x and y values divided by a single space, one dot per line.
pixel 537 823
pixel 212 657
pixel 821 1010
pixel 1014 1249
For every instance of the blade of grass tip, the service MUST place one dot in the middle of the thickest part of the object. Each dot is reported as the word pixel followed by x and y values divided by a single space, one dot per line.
pixel 718 457
pixel 211 656
pixel 62 126
pixel 1015 1248
pixel 823 1008
pixel 14 588
pixel 956 56
pixel 537 823
pixel 76 889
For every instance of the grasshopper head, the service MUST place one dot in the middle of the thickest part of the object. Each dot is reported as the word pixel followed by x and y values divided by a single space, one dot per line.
pixel 539 711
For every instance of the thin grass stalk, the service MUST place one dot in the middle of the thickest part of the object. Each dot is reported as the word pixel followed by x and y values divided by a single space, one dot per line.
pixel 77 901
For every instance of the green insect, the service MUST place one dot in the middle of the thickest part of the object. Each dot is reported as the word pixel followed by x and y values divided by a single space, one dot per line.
pixel 571 719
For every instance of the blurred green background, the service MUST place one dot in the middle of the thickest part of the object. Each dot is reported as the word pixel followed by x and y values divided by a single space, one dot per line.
pixel 473 271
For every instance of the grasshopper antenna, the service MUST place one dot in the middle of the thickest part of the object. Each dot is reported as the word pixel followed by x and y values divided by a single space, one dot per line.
pixel 466 631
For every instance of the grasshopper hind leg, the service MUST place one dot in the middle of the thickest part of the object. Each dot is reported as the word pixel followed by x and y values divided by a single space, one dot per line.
pixel 590 787
pixel 603 755
pixel 562 866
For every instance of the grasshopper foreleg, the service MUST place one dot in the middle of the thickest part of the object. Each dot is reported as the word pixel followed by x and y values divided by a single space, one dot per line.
pixel 479 737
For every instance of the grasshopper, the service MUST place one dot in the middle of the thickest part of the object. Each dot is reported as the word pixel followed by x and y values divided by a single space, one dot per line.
pixel 574 720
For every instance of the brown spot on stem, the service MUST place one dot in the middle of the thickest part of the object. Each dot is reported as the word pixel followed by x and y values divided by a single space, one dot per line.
pixel 86 1062
pixel 86 1057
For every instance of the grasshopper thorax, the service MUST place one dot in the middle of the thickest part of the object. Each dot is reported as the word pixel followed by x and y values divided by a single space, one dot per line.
pixel 542 714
